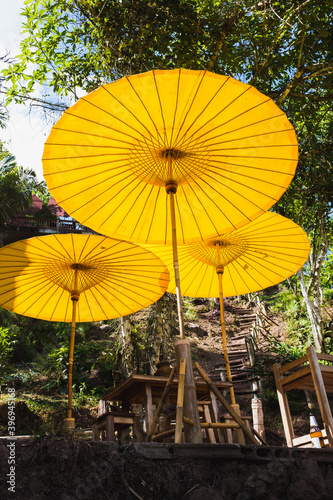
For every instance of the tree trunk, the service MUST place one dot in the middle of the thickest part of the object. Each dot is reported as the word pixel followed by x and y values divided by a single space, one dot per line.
pixel 127 348
pixel 313 312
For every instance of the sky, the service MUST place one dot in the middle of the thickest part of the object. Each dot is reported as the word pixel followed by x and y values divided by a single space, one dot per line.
pixel 26 130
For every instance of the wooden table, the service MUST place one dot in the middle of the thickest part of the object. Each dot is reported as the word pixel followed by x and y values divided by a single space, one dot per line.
pixel 147 390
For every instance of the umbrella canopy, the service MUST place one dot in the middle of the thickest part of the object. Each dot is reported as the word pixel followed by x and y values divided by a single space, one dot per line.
pixel 227 149
pixel 69 277
pixel 260 254
pixel 114 278
pixel 263 253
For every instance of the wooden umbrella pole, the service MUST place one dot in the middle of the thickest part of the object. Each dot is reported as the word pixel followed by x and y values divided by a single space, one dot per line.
pixel 176 265
pixel 71 355
pixel 74 297
pixel 171 188
pixel 219 271
pixel 182 346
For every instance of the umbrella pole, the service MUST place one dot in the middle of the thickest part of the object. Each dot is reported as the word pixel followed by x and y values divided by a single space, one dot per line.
pixel 219 271
pixel 70 421
pixel 171 194
pixel 182 346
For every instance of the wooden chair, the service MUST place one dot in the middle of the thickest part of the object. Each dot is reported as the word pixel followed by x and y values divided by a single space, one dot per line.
pixel 112 420
pixel 305 373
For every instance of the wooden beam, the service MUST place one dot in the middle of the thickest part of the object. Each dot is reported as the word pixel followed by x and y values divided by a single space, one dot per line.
pixel 319 385
pixel 180 401
pixel 229 409
pixel 161 404
pixel 284 406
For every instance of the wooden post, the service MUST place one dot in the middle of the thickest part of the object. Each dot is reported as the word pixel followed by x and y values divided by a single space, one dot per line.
pixel 208 418
pixel 192 433
pixel 109 428
pixel 220 270
pixel 284 407
pixel 319 385
pixel 215 416
pixel 161 405
pixel 239 432
pixel 180 401
pixel 148 404
pixel 258 417
pixel 229 409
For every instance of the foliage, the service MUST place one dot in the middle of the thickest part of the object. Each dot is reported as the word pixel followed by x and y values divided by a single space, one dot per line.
pixel 293 312
pixel 190 312
pixel 16 187
pixel 7 344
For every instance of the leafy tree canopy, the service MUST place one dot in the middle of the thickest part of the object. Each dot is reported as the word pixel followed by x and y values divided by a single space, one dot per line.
pixel 285 49
pixel 16 187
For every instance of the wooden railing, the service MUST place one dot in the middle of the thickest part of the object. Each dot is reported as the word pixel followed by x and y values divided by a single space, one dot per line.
pixel 56 224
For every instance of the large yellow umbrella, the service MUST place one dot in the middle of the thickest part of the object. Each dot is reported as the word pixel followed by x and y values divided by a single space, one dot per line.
pixel 227 149
pixel 262 253
pixel 76 277
pixel 117 158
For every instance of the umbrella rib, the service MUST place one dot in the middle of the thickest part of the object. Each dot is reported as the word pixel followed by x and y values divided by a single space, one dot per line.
pixel 220 174
pixel 198 83
pixel 154 212
pixel 189 205
pixel 99 302
pixel 211 285
pixel 146 109
pixel 142 211
pixel 175 112
pixel 226 199
pixel 160 103
pixel 166 219
pixel 236 192
pixel 252 167
pixel 123 294
pixel 55 307
pixel 237 139
pixel 183 140
pixel 83 167
pixel 237 129
pixel 222 111
pixel 254 260
pixel 180 219
pixel 120 204
pixel 200 265
pixel 101 194
pixel 126 108
pixel 203 206
pixel 138 139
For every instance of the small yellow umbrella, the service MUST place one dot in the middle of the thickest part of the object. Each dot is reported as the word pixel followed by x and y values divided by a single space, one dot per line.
pixel 262 253
pixel 75 277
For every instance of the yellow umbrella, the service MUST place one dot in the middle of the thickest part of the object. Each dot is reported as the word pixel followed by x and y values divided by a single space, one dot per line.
pixel 262 253
pixel 103 278
pixel 116 156
pixel 228 151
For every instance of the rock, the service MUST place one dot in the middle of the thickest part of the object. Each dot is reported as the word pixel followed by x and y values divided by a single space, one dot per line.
pixel 196 330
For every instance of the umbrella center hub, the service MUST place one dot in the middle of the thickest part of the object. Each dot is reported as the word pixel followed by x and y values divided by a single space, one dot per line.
pixel 158 165
pixel 220 251
pixel 63 275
